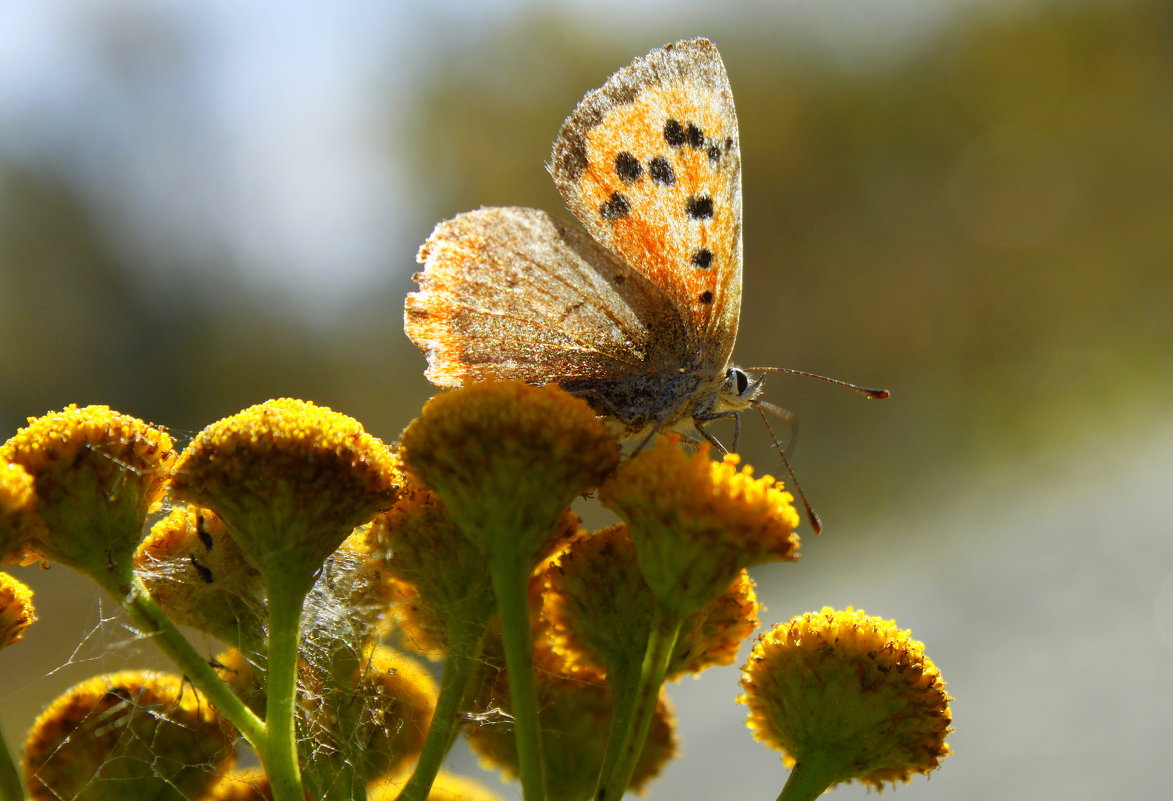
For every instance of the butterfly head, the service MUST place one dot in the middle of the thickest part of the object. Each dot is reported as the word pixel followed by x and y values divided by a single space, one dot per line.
pixel 737 391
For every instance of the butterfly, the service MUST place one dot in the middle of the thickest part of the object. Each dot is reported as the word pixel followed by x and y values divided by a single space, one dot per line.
pixel 638 313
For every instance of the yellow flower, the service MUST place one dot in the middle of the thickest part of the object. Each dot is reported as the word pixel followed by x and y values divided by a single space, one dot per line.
pixel 16 610
pixel 243 784
pixel 196 572
pixel 250 784
pixel 97 473
pixel 19 521
pixel 372 722
pixel 713 635
pixel 847 696
pixel 441 577
pixel 697 523
pixel 600 609
pixel 150 731
pixel 245 675
pixel 507 459
pixel 447 787
pixel 290 480
pixel 575 715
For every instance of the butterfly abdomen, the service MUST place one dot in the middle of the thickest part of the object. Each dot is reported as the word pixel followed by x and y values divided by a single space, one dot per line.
pixel 636 402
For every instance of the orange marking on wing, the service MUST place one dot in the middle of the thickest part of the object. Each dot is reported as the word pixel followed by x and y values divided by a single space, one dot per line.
pixel 656 234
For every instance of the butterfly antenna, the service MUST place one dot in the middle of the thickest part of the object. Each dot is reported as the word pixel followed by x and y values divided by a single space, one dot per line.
pixel 867 392
pixel 761 407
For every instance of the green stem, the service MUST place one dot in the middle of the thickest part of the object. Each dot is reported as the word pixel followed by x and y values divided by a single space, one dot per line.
pixel 11 787
pixel 280 754
pixel 624 683
pixel 631 719
pixel 510 584
pixel 130 591
pixel 808 780
pixel 464 639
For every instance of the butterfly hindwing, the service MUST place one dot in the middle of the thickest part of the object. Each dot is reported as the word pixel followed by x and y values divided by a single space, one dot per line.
pixel 512 293
pixel 650 163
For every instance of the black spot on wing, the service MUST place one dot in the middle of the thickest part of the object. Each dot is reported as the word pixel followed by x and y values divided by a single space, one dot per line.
pixel 661 171
pixel 673 133
pixel 628 167
pixel 702 258
pixel 615 208
pixel 699 207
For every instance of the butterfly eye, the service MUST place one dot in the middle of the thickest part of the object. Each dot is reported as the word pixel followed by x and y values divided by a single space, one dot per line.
pixel 739 379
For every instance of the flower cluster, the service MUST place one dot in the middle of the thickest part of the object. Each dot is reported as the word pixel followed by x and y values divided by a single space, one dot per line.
pixel 308 548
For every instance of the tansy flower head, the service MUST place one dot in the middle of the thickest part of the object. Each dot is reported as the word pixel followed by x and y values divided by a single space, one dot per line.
pixel 447 787
pixel 16 610
pixel 196 572
pixel 697 522
pixel 244 784
pixel 508 458
pixel 441 577
pixel 846 696
pixel 713 634
pixel 290 480
pixel 575 714
pixel 372 722
pixel 245 675
pixel 19 521
pixel 600 610
pixel 400 696
pixel 135 734
pixel 96 474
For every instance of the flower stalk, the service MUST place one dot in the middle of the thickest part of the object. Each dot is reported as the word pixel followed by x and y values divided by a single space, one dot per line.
pixel 635 707
pixel 11 788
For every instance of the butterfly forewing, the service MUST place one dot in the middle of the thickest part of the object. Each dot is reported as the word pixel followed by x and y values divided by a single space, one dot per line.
pixel 650 163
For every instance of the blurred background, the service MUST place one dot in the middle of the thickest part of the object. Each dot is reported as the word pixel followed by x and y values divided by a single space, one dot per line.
pixel 207 204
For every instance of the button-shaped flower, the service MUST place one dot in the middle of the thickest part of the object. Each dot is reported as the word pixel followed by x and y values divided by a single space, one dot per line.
pixel 290 480
pixel 576 709
pixel 16 610
pixel 96 473
pixel 507 459
pixel 697 522
pixel 19 521
pixel 197 573
pixel 846 696
pixel 600 610
pixel 442 578
pixel 135 734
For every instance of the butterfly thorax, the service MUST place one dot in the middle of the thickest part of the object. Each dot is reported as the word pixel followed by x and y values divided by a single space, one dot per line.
pixel 674 401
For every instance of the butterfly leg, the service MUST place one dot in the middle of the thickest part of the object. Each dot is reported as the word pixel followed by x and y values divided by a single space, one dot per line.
pixel 701 419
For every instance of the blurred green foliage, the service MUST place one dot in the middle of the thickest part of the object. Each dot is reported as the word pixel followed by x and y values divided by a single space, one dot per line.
pixel 981 225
